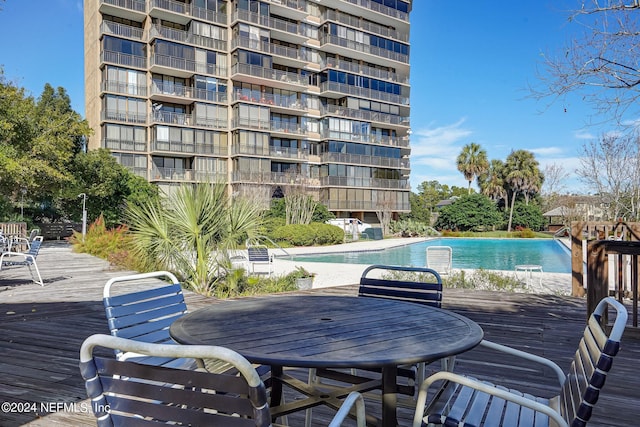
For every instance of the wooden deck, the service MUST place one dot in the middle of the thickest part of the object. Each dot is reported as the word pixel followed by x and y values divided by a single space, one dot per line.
pixel 43 327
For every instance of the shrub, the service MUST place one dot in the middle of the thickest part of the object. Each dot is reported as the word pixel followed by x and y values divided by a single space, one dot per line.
pixel 483 280
pixel 308 234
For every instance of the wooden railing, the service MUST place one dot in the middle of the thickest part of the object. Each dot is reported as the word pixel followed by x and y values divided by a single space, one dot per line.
pixel 623 256
pixel 14 228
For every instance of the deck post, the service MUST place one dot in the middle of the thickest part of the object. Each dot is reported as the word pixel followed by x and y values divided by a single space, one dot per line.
pixel 577 285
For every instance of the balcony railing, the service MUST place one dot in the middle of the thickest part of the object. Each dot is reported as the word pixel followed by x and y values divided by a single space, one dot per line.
pixel 300 5
pixel 360 159
pixel 178 90
pixel 391 141
pixel 208 15
pixel 187 37
pixel 370 116
pixel 280 152
pixel 363 92
pixel 270 178
pixel 355 205
pixel 371 27
pixel 354 67
pixel 172 174
pixel 267 21
pixel 124 88
pixel 170 5
pixel 121 30
pixel 267 47
pixel 184 119
pixel 182 147
pixel 624 257
pixel 187 65
pixel 377 7
pixel 123 59
pixel 124 145
pixel 124 116
pixel 270 74
pixel 137 5
pixel 346 181
pixel 364 48
pixel 268 99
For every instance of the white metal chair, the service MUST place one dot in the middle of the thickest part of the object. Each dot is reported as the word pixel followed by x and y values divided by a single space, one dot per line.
pixel 10 259
pixel 440 258
pixel 463 400
pixel 124 392
pixel 258 255
pixel 145 315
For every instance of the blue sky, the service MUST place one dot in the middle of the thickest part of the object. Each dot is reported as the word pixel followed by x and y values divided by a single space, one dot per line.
pixel 471 65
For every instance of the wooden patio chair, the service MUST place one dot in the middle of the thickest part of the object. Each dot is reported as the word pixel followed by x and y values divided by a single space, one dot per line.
pixel 10 259
pixel 440 258
pixel 463 400
pixel 128 393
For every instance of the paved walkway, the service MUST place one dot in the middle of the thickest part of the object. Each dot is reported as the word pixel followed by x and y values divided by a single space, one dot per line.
pixel 336 274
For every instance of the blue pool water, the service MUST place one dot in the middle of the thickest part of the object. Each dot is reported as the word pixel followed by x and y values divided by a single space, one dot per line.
pixel 489 254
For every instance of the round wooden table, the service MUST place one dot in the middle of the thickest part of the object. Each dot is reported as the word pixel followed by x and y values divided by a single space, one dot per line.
pixel 317 331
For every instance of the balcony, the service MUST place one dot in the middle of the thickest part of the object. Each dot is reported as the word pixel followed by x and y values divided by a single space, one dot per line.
pixel 341 89
pixel 357 22
pixel 118 58
pixel 170 10
pixel 269 178
pixel 183 119
pixel 124 88
pixel 159 31
pixel 286 30
pixel 289 104
pixel 366 206
pixel 367 52
pixel 173 147
pixel 391 141
pixel 181 67
pixel 347 181
pixel 376 73
pixel 286 55
pixel 124 145
pixel 181 94
pixel 269 76
pixel 135 10
pixel 172 174
pixel 294 9
pixel 368 9
pixel 121 30
pixel 365 115
pixel 279 152
pixel 360 159
pixel 123 117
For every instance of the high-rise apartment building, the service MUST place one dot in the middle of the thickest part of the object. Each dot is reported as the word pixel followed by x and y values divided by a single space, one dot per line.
pixel 269 96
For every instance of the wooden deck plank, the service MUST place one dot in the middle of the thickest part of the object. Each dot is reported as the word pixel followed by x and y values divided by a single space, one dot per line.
pixel 42 328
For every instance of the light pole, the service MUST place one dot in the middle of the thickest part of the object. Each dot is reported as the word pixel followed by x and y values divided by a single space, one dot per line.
pixel 23 191
pixel 84 214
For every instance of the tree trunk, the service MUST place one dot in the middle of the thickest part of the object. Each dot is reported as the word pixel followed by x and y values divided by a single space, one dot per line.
pixel 513 202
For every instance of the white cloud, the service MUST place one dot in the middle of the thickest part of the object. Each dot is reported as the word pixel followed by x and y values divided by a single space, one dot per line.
pixel 546 151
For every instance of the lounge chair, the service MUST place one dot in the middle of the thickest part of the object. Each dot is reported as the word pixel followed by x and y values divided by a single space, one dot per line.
pixel 27 259
pixel 130 393
pixel 439 258
pixel 463 400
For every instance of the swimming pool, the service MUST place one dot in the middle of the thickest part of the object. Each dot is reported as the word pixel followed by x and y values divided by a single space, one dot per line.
pixel 489 254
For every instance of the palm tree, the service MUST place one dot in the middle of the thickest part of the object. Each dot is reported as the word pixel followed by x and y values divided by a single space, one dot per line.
pixel 522 174
pixel 492 183
pixel 472 162
pixel 191 232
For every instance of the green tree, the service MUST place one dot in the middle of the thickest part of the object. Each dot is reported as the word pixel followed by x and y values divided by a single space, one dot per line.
pixel 492 182
pixel 108 185
pixel 470 212
pixel 191 232
pixel 522 174
pixel 528 216
pixel 472 162
pixel 38 139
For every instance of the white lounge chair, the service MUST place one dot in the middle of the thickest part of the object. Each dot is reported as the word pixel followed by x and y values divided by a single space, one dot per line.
pixel 439 258
pixel 11 259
